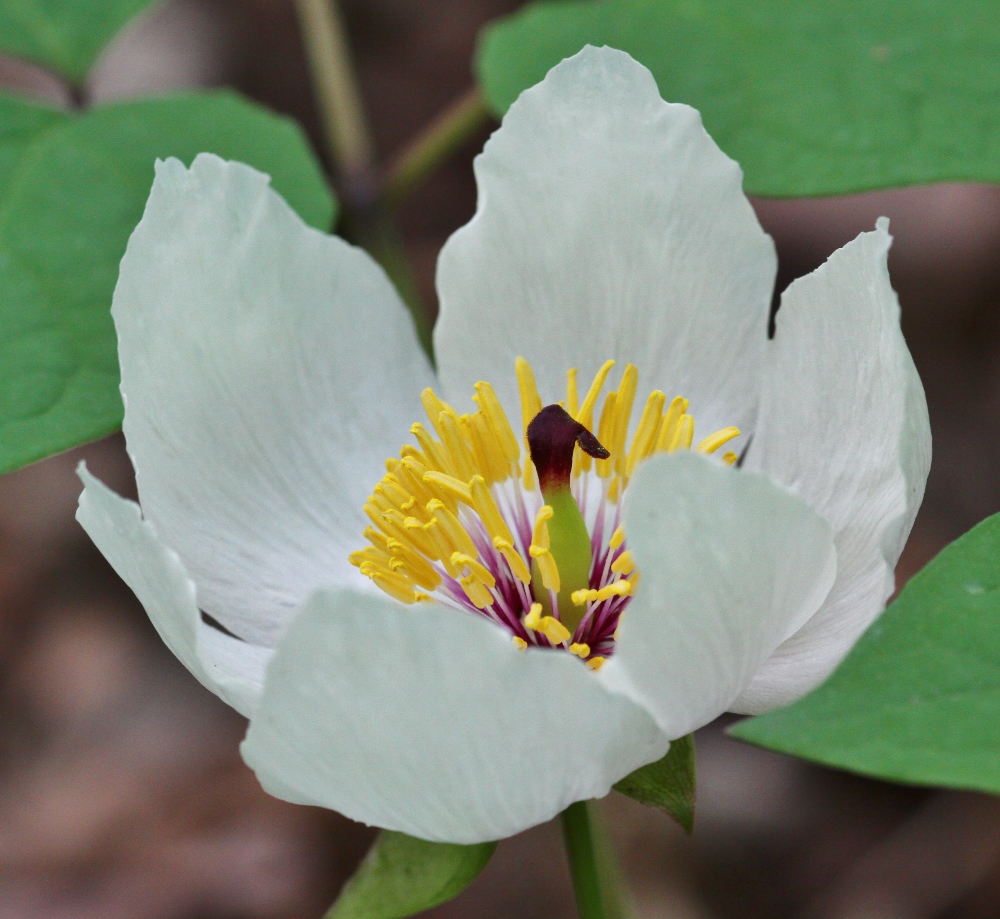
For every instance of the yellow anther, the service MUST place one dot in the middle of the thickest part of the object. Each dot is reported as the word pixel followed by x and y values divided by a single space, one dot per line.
pixel 457 449
pixel 436 534
pixel 488 511
pixel 422 541
pixel 533 617
pixel 435 458
pixel 624 564
pixel 381 502
pixel 617 589
pixel 623 411
pixel 417 567
pixel 392 491
pixel 517 566
pixel 380 540
pixel 572 397
pixel 495 416
pixel 645 434
pixel 595 663
pixel 449 485
pixel 729 457
pixel 531 402
pixel 519 643
pixel 547 567
pixel 580 597
pixel 392 582
pixel 411 476
pixel 553 630
pixel 586 414
pixel 615 489
pixel 671 419
pixel 476 591
pixel 461 560
pixel 685 434
pixel 540 533
pixel 453 530
pixel 580 650
pixel 434 406
pixel 368 554
pixel 617 538
pixel 486 453
pixel 605 434
pixel 712 443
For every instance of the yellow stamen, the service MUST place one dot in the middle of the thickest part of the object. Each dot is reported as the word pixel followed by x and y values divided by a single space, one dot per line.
pixel 644 441
pixel 617 538
pixel 729 457
pixel 540 533
pixel 435 458
pixel 553 630
pixel 531 402
pixel 580 597
pixel 712 443
pixel 623 411
pixel 547 567
pixel 519 643
pixel 572 398
pixel 580 650
pixel 595 663
pixel 458 449
pixel 460 559
pixel 533 617
pixel 488 511
pixel 495 416
pixel 668 428
pixel 606 432
pixel 450 485
pixel 452 529
pixel 392 582
pixel 417 567
pixel 624 564
pixel 476 591
pixel 517 565
pixel 586 414
pixel 617 589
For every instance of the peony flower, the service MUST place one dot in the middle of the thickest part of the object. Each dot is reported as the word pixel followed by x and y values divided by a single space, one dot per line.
pixel 452 603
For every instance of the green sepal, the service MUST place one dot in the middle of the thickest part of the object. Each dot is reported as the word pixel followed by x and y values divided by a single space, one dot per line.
pixel 66 36
pixel 668 784
pixel 918 699
pixel 810 97
pixel 401 876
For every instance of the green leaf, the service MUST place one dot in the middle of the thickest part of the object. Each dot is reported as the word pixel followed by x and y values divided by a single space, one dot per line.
pixel 918 699
pixel 65 35
pixel 402 876
pixel 810 97
pixel 668 784
pixel 72 188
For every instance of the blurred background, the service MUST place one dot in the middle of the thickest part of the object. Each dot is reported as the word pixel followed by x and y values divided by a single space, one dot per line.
pixel 122 794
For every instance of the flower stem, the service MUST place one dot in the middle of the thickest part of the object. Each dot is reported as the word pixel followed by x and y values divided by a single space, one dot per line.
pixel 351 152
pixel 433 145
pixel 582 856
pixel 337 91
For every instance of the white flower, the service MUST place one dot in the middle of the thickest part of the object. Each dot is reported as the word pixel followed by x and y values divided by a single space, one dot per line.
pixel 269 370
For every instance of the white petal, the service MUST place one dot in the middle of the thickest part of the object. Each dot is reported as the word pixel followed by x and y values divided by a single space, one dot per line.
pixel 232 669
pixel 429 721
pixel 843 423
pixel 730 565
pixel 609 225
pixel 267 370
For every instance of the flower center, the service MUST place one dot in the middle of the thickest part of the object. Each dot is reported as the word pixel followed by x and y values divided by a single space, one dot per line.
pixel 529 539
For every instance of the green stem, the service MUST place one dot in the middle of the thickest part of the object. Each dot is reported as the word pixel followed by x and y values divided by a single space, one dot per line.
pixel 337 92
pixel 350 149
pixel 433 145
pixel 582 856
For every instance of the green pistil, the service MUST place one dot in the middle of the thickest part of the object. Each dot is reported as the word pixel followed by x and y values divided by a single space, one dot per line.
pixel 552 435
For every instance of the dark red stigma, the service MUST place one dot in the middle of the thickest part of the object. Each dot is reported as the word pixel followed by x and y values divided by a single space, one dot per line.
pixel 552 435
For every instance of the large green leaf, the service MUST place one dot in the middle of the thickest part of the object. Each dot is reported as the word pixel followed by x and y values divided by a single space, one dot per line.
pixel 402 876
pixel 668 784
pixel 72 188
pixel 918 699
pixel 64 35
pixel 811 97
